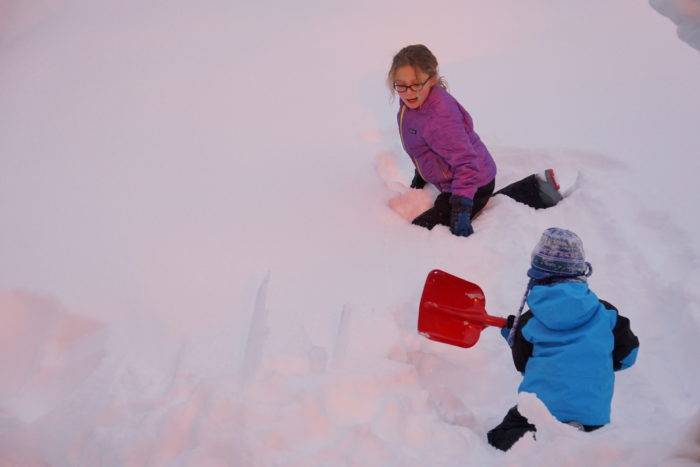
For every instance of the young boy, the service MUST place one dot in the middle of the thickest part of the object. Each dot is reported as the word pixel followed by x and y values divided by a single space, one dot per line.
pixel 568 345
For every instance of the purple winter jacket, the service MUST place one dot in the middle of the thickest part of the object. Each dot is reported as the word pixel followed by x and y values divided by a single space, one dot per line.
pixel 440 138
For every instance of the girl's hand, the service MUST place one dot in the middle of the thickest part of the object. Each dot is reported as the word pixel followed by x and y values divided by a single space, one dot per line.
pixel 460 220
pixel 418 181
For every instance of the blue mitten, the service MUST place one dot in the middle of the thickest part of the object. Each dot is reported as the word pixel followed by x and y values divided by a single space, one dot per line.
pixel 460 219
pixel 505 331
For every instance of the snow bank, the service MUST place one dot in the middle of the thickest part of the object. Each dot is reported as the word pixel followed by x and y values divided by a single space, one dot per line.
pixel 207 257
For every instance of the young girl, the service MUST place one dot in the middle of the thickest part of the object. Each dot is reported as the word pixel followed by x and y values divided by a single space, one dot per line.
pixel 438 134
pixel 568 345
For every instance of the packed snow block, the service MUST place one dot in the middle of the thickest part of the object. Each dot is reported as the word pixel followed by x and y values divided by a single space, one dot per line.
pixel 363 334
pixel 410 204
pixel 298 354
pixel 45 353
pixel 404 201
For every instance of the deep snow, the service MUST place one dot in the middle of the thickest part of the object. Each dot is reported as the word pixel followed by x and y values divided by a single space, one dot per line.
pixel 204 259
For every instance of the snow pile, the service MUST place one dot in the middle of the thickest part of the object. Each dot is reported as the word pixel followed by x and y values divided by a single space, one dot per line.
pixel 207 257
pixel 46 352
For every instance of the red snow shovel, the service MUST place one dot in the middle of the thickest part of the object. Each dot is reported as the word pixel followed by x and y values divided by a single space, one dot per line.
pixel 453 311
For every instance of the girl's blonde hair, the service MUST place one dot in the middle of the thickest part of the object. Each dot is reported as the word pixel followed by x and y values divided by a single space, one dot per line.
pixel 420 58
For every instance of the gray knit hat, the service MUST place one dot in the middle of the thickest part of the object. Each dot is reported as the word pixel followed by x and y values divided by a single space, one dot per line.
pixel 559 253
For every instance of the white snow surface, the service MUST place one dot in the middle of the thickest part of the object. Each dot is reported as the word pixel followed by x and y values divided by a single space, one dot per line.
pixel 205 254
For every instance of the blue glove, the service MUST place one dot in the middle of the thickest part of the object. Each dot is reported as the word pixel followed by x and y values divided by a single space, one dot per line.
pixel 460 219
pixel 505 331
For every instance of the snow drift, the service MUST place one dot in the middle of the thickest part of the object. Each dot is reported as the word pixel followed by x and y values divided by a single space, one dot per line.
pixel 206 253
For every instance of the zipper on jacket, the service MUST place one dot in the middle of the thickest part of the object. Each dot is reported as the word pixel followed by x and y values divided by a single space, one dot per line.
pixel 415 162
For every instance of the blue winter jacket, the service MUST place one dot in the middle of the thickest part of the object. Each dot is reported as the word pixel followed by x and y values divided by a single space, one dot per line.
pixel 568 346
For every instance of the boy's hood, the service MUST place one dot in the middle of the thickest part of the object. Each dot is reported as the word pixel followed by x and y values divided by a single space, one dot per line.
pixel 563 305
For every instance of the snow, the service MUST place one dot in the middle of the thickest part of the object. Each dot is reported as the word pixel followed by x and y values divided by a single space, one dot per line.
pixel 206 258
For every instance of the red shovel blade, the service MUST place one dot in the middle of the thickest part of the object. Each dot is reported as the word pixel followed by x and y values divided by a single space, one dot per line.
pixel 453 311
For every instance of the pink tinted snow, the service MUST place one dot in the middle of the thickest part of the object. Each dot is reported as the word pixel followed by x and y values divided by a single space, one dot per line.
pixel 44 350
pixel 171 160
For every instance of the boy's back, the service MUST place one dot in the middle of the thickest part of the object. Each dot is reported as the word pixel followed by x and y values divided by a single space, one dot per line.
pixel 568 345
pixel 569 359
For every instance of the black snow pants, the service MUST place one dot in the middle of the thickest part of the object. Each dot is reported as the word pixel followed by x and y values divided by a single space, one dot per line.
pixel 442 210
pixel 524 191
pixel 514 426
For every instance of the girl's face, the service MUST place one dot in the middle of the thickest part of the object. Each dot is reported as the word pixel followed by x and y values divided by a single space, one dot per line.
pixel 407 76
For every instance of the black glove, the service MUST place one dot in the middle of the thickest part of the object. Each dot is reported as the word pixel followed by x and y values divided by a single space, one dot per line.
pixel 417 181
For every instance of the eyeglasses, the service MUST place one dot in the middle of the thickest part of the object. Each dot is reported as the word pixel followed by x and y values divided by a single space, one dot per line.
pixel 401 88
